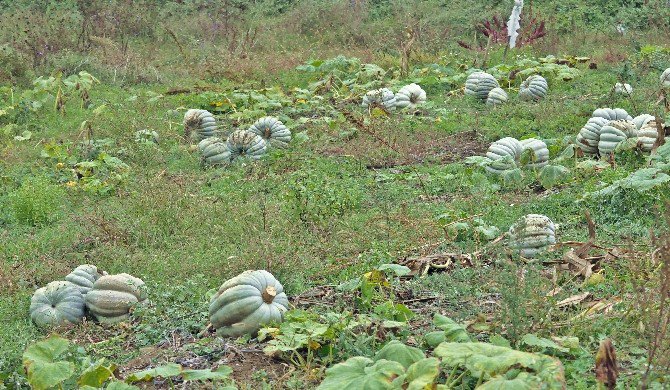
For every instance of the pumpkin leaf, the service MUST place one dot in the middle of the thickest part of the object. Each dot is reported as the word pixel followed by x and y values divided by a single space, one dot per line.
pixel 362 373
pixel 451 331
pixel 118 385
pixel 43 363
pixel 398 352
pixel 397 269
pixel 551 175
pixel 500 341
pixel 422 373
pixel 221 373
pixel 523 381
pixel 166 371
pixel 96 374
pixel 532 340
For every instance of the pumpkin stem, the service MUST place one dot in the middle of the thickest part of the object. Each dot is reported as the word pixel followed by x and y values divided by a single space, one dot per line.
pixel 269 294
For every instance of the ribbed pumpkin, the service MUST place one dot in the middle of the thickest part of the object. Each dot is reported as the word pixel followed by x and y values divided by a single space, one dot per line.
pixel 246 302
pixel 642 120
pixel 410 96
pixel 214 151
pixel 200 122
pixel 146 137
pixel 504 153
pixel 534 87
pixel 242 143
pixel 496 97
pixel 479 84
pixel 665 79
pixel 112 297
pixel 613 133
pixel 273 131
pixel 624 89
pixel 539 150
pixel 383 97
pixel 589 135
pixel 58 303
pixel 612 114
pixel 647 136
pixel 532 234
pixel 83 277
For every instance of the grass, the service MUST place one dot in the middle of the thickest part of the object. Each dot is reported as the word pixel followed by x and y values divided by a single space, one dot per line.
pixel 320 213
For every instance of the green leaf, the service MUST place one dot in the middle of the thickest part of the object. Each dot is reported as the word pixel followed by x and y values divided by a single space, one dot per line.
pixel 398 352
pixel 451 331
pixel 221 373
pixel 362 373
pixel 550 175
pixel 422 373
pixel 512 176
pixel 118 385
pixel 500 341
pixel 43 364
pixel 398 270
pixel 523 381
pixel 532 340
pixel 166 371
pixel 96 374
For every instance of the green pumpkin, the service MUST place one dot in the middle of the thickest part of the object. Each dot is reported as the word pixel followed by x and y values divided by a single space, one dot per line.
pixel 246 302
pixel 479 84
pixel 532 234
pixel 113 296
pixel 83 277
pixel 242 143
pixel 505 154
pixel 533 88
pixel 200 123
pixel 58 303
pixel 214 151
pixel 273 131
pixel 613 133
pixel 410 96
pixel 383 97
pixel 539 150
pixel 589 135
pixel 497 96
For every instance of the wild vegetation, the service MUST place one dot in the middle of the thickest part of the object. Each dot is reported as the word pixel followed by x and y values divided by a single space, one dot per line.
pixel 396 237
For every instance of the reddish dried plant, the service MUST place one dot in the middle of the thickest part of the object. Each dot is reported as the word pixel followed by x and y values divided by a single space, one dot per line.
pixel 495 31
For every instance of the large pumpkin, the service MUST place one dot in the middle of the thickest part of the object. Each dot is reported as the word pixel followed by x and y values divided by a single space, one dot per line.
pixel 496 97
pixel 613 133
pixel 647 136
pixel 273 131
pixel 504 153
pixel 642 120
pixel 612 114
pixel 246 302
pixel 533 88
pixel 383 97
pixel 242 143
pixel 589 135
pixel 201 123
pixel 83 277
pixel 56 304
pixel 410 96
pixel 539 150
pixel 532 234
pixel 214 151
pixel 479 84
pixel 112 297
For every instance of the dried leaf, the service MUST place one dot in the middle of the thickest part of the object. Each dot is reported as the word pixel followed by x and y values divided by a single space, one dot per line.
pixel 573 300
pixel 606 366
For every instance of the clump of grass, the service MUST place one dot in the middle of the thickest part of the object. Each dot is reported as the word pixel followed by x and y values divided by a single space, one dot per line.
pixel 36 202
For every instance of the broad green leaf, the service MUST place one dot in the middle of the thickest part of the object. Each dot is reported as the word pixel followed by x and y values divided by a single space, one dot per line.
pixel 118 385
pixel 221 373
pixel 500 341
pixel 550 175
pixel 43 364
pixel 487 232
pixel 451 331
pixel 401 353
pixel 512 176
pixel 398 270
pixel 166 371
pixel 359 373
pixel 96 374
pixel 532 340
pixel 523 381
pixel 422 373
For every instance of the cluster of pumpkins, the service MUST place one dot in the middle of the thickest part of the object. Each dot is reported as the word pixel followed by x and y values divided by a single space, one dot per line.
pixel 608 127
pixel 485 87
pixel 531 235
pixel 408 97
pixel 240 306
pixel 108 298
pixel 252 143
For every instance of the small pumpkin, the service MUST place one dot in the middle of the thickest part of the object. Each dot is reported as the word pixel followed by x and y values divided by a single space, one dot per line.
pixel 242 143
pixel 479 84
pixel 665 79
pixel 201 123
pixel 246 302
pixel 410 96
pixel 647 136
pixel 589 135
pixel 112 297
pixel 58 303
pixel 504 153
pixel 214 151
pixel 83 277
pixel 623 89
pixel 273 131
pixel 610 114
pixel 613 133
pixel 540 152
pixel 146 137
pixel 532 234
pixel 642 120
pixel 383 97
pixel 496 97
pixel 534 88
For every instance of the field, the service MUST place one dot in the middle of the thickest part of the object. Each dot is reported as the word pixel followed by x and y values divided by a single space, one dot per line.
pixel 383 226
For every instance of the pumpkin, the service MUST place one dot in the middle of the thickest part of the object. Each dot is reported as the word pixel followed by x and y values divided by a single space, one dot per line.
pixel 272 131
pixel 612 114
pixel 383 97
pixel 642 120
pixel 589 135
pixel 504 153
pixel 532 234
pixel 665 79
pixel 624 89
pixel 540 152
pixel 533 88
pixel 58 303
pixel 496 96
pixel 83 277
pixel 613 133
pixel 214 151
pixel 146 137
pixel 112 297
pixel 202 122
pixel 647 136
pixel 410 96
pixel 242 143
pixel 479 84
pixel 246 302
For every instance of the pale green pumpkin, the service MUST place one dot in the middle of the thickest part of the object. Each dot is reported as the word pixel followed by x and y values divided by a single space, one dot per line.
pixel 214 151
pixel 612 114
pixel 83 277
pixel 533 88
pixel 243 143
pixel 200 123
pixel 505 154
pixel 539 150
pixel 532 234
pixel 479 84
pixel 273 131
pixel 383 97
pixel 113 296
pixel 613 133
pixel 410 96
pixel 58 303
pixel 497 96
pixel 589 135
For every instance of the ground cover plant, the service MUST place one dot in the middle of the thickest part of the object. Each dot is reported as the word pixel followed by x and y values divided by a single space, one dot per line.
pixel 423 206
